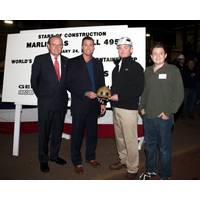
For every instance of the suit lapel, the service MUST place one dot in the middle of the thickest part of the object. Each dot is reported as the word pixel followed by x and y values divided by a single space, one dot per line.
pixel 63 68
pixel 95 71
pixel 50 63
pixel 51 66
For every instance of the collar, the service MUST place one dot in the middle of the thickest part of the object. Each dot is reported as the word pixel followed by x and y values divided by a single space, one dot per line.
pixel 52 57
pixel 124 60
pixel 163 66
pixel 92 58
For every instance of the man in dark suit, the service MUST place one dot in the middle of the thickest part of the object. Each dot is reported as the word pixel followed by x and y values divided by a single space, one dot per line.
pixel 86 75
pixel 48 80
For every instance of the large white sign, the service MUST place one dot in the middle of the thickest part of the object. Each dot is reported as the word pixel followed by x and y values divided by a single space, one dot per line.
pixel 23 47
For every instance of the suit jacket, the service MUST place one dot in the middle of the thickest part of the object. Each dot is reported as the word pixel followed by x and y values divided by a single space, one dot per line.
pixel 79 83
pixel 51 93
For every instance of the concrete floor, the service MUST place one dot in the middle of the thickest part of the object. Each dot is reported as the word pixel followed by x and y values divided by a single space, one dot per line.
pixel 186 157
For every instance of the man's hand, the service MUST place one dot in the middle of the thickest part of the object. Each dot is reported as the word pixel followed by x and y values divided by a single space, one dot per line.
pixel 114 97
pixel 163 116
pixel 141 112
pixel 103 110
pixel 90 95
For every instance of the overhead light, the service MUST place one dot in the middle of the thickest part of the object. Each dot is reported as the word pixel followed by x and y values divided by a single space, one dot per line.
pixel 8 21
pixel 148 34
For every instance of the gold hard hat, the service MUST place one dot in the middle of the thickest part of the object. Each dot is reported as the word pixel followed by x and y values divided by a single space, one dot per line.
pixel 104 93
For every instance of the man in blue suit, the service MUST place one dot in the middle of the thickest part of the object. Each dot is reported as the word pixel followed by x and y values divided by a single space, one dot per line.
pixel 85 76
pixel 48 80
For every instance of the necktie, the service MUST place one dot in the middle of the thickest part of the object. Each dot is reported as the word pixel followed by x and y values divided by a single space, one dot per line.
pixel 56 65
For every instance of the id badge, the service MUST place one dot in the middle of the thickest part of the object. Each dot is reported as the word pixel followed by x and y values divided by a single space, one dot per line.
pixel 162 76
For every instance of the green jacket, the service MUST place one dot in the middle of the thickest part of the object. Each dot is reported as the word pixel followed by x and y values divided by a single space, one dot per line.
pixel 163 91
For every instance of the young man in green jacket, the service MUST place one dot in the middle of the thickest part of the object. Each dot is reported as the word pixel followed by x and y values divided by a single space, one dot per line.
pixel 162 96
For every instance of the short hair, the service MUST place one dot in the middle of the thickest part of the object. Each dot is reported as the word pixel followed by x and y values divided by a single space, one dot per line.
pixel 87 38
pixel 54 36
pixel 159 45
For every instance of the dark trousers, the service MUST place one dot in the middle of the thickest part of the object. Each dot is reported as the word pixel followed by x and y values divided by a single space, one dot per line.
pixel 189 100
pixel 157 138
pixel 51 125
pixel 80 124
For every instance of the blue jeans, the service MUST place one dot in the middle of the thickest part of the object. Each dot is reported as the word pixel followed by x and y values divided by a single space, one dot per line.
pixel 157 141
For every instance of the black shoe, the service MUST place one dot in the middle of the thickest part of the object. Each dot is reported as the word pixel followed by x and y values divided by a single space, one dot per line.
pixel 117 166
pixel 94 163
pixel 59 161
pixel 44 167
pixel 79 169
pixel 131 176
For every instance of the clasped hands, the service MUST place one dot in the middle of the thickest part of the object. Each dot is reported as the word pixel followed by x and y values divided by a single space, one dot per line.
pixel 92 95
